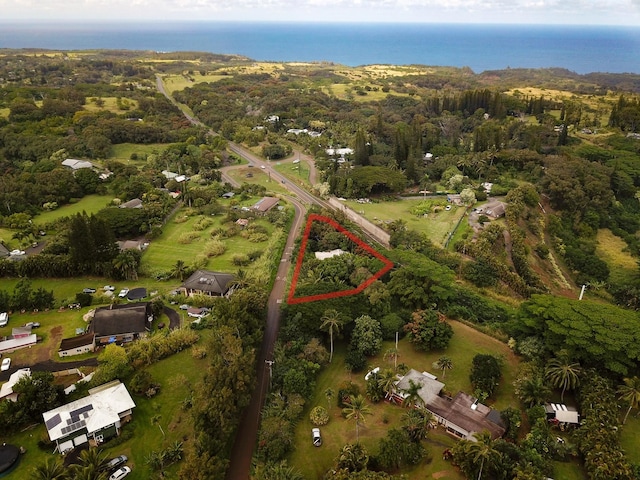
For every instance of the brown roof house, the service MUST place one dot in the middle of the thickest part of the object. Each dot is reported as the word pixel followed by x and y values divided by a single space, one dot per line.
pixel 462 415
pixel 265 204
pixel 205 282
pixel 77 345
pixel 121 323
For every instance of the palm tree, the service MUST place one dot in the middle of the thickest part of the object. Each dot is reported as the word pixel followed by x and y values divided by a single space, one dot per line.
pixel 126 265
pixel 444 363
pixel 413 397
pixel 329 394
pixel 331 320
pixel 563 374
pixel 179 270
pixel 532 390
pixel 52 469
pixel 630 393
pixel 483 452
pixel 392 354
pixel 387 381
pixel 156 421
pixel 417 423
pixel 91 466
pixel 357 410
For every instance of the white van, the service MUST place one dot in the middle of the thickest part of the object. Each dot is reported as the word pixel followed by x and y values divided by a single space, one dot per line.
pixel 4 319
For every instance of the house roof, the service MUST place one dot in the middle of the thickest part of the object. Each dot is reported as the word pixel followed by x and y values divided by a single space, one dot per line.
pixel 265 204
pixel 430 387
pixel 4 251
pixel 100 409
pixel 76 342
pixel 76 164
pixel 329 254
pixel 120 319
pixel 134 203
pixel 207 281
pixel 7 387
pixel 15 343
pixel 467 413
pixel 20 331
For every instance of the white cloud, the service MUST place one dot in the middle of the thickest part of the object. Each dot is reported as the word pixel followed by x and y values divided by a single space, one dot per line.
pixel 516 11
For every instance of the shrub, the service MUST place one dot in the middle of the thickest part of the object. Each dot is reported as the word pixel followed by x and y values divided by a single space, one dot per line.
pixel 215 248
pixel 240 260
pixel 319 416
pixel 188 237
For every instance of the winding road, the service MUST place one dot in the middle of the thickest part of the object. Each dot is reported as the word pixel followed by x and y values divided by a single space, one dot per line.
pixel 247 434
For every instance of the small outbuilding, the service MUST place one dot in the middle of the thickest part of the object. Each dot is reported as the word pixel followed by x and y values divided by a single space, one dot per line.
pixel 77 345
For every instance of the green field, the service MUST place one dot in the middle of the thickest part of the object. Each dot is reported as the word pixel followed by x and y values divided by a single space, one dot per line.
pixel 123 151
pixel 465 344
pixel 258 176
pixel 90 204
pixel 164 252
pixel 615 252
pixel 298 172
pixel 436 226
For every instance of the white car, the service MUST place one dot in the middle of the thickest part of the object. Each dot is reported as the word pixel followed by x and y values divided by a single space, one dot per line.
pixel 6 364
pixel 123 292
pixel 108 288
pixel 448 207
pixel 120 473
pixel 262 167
pixel 315 435
pixel 17 252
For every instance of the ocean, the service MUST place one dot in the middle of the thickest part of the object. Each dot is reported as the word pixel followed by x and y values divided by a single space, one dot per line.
pixel 582 49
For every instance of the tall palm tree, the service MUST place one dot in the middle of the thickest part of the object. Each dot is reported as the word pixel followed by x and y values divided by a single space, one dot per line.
pixel 91 466
pixel 563 374
pixel 444 363
pixel 179 270
pixel 331 321
pixel 413 397
pixel 156 421
pixel 630 393
pixel 483 451
pixel 392 354
pixel 417 423
pixel 532 390
pixel 356 410
pixel 387 381
pixel 52 469
pixel 329 394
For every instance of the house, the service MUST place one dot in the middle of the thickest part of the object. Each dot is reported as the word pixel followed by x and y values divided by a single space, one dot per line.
pixel 77 345
pixel 329 254
pixel 454 198
pixel 135 203
pixel 91 419
pixel 20 332
pixel 243 222
pixel 228 195
pixel 13 344
pixel 197 312
pixel 341 152
pixel 121 323
pixel 205 282
pixel 6 391
pixel 495 209
pixel 76 164
pixel 265 204
pixel 562 414
pixel 131 245
pixel 169 175
pixel 462 415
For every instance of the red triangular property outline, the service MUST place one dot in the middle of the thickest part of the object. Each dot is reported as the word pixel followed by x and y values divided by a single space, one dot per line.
pixel 388 264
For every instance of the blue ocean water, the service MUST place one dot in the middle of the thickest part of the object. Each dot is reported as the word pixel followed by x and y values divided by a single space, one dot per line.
pixel 582 49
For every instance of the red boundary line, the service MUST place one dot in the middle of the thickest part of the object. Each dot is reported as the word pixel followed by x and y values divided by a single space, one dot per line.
pixel 388 264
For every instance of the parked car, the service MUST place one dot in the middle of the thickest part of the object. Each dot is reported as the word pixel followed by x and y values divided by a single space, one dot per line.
pixel 317 438
pixel 88 290
pixel 120 473
pixel 4 319
pixel 447 208
pixel 123 293
pixel 6 364
pixel 32 324
pixel 116 462
pixel 184 306
pixel 17 253
pixel 108 288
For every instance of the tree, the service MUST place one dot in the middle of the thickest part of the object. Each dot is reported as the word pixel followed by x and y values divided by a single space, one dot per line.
pixel 52 469
pixel 156 421
pixel 485 374
pixel 444 363
pixel 563 374
pixel 353 457
pixel 126 264
pixel 331 321
pixel 428 331
pixel 412 395
pixel 480 456
pixel 356 410
pixel 417 423
pixel 277 471
pixel 387 380
pixel 179 270
pixel 532 389
pixel 630 393
pixel 329 394
pixel 367 335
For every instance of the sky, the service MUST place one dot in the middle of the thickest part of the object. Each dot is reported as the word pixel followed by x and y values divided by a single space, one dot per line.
pixel 578 12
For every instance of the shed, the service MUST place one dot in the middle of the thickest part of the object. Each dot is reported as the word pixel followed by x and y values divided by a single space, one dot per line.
pixel 77 345
pixel 134 203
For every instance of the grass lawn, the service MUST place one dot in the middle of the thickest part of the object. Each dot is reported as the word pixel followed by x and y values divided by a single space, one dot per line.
pixel 466 342
pixel 572 470
pixel 615 252
pixel 298 172
pixel 164 252
pixel 123 151
pixel 436 226
pixel 259 177
pixel 90 204
pixel 629 439
pixel 111 105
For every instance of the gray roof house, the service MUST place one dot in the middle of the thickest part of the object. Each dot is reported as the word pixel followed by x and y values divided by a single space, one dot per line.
pixel 461 416
pixel 74 164
pixel 205 282
pixel 135 203
pixel 91 419
pixel 121 323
